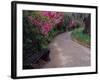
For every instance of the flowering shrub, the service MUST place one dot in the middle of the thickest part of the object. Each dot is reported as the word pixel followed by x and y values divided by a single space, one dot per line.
pixel 46 28
pixel 40 27
pixel 72 23
pixel 46 20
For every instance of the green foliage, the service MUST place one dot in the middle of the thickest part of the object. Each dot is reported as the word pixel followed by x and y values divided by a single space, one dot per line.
pixel 37 15
pixel 81 36
pixel 33 40
pixel 30 43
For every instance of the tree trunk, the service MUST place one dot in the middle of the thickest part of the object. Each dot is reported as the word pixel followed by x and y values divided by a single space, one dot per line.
pixel 87 27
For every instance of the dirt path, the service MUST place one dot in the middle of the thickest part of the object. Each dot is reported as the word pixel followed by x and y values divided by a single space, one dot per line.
pixel 66 53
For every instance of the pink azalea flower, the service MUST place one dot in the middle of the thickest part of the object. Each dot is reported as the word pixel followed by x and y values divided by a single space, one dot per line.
pixel 46 28
pixel 54 18
pixel 72 23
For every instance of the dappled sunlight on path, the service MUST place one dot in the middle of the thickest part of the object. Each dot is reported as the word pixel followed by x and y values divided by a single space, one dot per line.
pixel 66 53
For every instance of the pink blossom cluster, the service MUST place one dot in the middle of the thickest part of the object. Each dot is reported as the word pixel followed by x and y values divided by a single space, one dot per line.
pixel 52 19
pixel 55 17
pixel 72 23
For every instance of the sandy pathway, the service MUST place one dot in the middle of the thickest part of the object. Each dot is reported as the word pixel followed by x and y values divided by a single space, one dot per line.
pixel 66 53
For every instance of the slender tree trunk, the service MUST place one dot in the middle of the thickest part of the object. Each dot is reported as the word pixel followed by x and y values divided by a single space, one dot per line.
pixel 87 28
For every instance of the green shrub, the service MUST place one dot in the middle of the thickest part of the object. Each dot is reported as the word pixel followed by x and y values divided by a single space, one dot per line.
pixel 81 36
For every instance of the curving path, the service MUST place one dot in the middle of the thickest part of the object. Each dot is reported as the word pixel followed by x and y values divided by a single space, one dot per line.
pixel 66 53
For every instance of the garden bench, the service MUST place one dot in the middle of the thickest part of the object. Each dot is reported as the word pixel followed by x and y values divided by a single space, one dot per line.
pixel 33 58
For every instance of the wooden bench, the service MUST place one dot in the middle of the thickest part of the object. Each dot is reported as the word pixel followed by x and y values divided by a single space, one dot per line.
pixel 33 58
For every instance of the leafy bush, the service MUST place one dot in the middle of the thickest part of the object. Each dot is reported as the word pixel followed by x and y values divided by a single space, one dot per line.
pixel 40 28
pixel 81 36
pixel 46 20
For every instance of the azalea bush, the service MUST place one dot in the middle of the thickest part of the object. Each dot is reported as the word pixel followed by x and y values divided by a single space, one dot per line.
pixel 40 27
pixel 46 20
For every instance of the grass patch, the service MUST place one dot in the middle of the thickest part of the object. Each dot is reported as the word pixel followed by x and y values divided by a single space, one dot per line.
pixel 80 36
